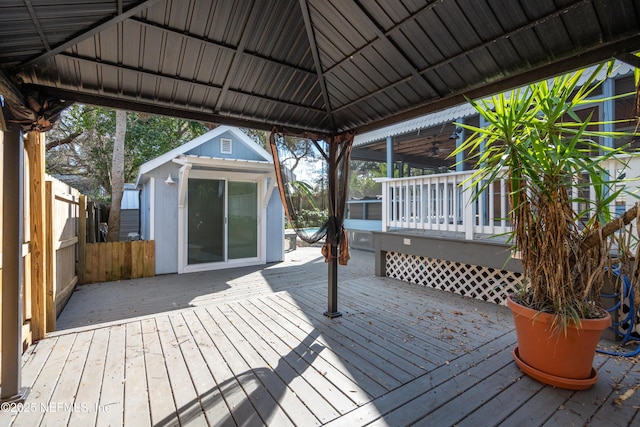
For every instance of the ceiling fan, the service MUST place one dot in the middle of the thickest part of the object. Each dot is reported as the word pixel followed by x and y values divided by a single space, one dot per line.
pixel 433 151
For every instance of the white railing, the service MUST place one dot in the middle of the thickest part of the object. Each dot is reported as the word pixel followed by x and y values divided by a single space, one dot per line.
pixel 441 202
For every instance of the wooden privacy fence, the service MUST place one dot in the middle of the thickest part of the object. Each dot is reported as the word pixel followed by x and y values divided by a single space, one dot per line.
pixel 62 211
pixel 56 226
pixel 105 262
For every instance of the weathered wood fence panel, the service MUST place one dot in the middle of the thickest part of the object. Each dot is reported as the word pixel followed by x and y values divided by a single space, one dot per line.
pixel 110 261
pixel 62 219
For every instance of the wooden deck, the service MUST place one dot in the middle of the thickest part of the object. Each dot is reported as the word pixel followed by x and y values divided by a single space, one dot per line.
pixel 251 347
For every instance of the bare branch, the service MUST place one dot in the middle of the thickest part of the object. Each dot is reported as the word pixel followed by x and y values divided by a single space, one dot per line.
pixel 63 141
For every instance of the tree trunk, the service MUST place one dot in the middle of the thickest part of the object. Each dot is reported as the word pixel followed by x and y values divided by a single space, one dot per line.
pixel 117 176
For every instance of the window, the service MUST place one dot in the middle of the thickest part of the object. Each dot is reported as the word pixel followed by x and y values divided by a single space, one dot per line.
pixel 225 146
pixel 625 88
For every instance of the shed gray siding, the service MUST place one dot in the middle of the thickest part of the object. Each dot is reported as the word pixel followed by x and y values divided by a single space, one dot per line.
pixel 164 227
pixel 239 150
pixel 129 222
pixel 166 219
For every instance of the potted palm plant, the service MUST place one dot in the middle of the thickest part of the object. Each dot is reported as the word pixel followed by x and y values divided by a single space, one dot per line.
pixel 551 160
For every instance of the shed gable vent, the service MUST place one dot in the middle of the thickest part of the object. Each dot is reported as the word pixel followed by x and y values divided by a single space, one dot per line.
pixel 225 146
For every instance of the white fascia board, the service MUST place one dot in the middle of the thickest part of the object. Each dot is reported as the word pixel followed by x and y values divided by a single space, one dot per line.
pixel 226 164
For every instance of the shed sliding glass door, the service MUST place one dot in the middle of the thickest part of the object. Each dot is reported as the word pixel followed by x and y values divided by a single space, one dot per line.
pixel 222 221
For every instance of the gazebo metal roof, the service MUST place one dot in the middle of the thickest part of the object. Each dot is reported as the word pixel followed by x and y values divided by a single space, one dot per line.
pixel 323 66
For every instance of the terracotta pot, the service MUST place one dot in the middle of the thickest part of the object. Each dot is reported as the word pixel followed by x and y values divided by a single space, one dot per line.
pixel 554 358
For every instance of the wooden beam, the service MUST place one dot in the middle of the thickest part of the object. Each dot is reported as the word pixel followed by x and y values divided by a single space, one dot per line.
pixel 35 145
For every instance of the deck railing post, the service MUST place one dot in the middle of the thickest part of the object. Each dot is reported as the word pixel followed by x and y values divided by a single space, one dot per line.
pixel 385 206
pixel 468 212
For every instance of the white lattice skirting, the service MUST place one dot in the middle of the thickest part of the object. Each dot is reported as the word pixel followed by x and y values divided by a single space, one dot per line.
pixel 483 283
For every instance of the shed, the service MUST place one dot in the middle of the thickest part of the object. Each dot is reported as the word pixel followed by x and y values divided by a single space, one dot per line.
pixel 129 213
pixel 210 204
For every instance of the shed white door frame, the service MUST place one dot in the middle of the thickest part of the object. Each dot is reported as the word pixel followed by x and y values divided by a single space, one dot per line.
pixel 183 179
pixel 265 184
pixel 152 204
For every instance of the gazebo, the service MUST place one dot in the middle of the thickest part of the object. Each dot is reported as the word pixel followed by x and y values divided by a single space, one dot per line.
pixel 319 68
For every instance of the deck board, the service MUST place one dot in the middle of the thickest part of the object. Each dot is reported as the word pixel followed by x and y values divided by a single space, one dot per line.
pixel 92 373
pixel 371 364
pixel 162 407
pixel 362 385
pixel 273 377
pixel 250 346
pixel 359 319
pixel 471 325
pixel 436 381
pixel 66 388
pixel 257 399
pixel 136 396
pixel 112 389
pixel 199 372
pixel 407 366
pixel 538 408
pixel 47 381
pixel 303 358
pixel 187 401
pixel 228 394
pixel 503 403
pixel 625 376
pixel 298 376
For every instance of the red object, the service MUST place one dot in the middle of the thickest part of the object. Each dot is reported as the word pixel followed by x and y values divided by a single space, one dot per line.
pixel 553 357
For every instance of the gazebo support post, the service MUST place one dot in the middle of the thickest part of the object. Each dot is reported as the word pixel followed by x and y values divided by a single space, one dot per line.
pixel 333 233
pixel 332 310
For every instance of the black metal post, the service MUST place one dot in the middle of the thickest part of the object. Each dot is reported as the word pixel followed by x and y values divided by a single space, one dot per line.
pixel 332 310
pixel 332 235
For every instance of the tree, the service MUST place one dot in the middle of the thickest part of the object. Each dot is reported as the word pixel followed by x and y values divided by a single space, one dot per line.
pixel 81 145
pixel 117 176
pixel 260 137
pixel 362 179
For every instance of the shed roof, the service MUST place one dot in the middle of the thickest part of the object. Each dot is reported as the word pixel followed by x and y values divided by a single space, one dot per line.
pixel 186 147
pixel 318 65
